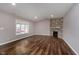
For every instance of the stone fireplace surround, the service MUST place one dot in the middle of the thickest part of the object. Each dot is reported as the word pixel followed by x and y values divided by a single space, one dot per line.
pixel 56 24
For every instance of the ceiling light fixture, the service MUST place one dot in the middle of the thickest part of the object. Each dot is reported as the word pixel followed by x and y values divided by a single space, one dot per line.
pixel 51 15
pixel 35 17
pixel 13 4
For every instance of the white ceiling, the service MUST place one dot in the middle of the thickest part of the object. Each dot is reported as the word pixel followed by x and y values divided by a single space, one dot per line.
pixel 41 10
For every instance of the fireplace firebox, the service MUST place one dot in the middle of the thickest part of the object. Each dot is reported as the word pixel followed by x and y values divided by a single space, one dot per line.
pixel 55 34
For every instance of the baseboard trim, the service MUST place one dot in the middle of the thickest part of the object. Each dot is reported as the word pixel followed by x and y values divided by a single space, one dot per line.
pixel 14 40
pixel 71 47
pixel 42 34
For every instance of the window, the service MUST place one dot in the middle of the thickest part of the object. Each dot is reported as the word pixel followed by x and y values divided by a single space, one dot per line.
pixel 18 28
pixel 22 27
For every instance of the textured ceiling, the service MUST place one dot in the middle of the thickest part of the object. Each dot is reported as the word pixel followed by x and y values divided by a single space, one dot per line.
pixel 41 10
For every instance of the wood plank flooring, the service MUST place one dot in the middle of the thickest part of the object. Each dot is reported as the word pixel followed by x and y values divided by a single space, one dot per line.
pixel 37 45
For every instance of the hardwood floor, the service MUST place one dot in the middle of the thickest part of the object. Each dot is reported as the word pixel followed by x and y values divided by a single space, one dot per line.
pixel 37 45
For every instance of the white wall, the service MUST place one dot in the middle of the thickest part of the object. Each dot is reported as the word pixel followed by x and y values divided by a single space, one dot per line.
pixel 71 27
pixel 42 27
pixel 8 22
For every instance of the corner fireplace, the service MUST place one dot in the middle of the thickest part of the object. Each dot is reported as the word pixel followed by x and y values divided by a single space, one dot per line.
pixel 55 34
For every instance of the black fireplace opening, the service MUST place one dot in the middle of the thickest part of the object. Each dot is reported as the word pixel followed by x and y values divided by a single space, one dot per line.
pixel 55 34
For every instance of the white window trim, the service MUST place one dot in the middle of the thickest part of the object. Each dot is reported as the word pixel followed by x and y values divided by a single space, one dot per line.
pixel 24 27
